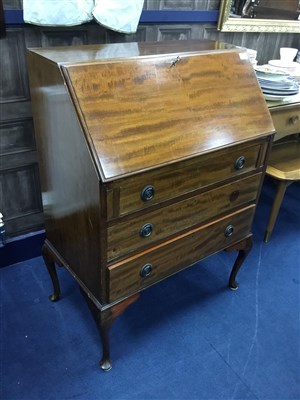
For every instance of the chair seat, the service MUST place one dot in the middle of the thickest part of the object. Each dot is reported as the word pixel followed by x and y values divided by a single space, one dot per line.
pixel 284 162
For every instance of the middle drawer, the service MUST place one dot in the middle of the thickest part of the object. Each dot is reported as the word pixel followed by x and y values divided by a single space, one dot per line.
pixel 140 232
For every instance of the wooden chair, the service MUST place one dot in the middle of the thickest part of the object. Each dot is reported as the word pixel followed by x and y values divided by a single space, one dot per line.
pixel 284 167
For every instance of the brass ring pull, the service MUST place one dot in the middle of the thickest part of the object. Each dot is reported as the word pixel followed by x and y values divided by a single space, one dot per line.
pixel 146 270
pixel 229 230
pixel 240 162
pixel 148 193
pixel 146 230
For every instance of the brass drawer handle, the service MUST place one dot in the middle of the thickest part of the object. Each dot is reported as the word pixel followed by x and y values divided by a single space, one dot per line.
pixel 293 120
pixel 146 270
pixel 240 162
pixel 229 230
pixel 148 193
pixel 146 230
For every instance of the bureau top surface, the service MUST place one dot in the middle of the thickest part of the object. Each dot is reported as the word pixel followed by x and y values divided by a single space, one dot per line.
pixel 94 52
pixel 143 105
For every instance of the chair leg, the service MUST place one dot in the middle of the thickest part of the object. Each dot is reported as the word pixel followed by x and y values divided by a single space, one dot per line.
pixel 281 188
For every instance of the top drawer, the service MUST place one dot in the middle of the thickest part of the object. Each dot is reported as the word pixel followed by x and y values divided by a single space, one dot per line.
pixel 286 121
pixel 153 187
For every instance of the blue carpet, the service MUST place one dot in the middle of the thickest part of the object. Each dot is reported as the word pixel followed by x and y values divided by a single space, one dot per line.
pixel 186 338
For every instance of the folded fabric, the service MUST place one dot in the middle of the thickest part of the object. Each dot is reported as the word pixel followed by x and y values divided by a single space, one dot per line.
pixel 118 15
pixel 115 50
pixel 57 12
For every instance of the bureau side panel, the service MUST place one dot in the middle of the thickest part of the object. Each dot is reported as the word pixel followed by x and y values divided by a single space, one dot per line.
pixel 70 184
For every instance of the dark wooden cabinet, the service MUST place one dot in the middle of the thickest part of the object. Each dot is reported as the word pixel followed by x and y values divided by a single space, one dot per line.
pixel 150 162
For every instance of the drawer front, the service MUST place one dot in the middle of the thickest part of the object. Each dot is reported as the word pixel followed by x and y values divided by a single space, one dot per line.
pixel 286 121
pixel 142 270
pixel 144 190
pixel 142 231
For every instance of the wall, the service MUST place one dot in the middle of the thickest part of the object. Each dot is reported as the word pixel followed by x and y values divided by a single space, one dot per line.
pixel 20 191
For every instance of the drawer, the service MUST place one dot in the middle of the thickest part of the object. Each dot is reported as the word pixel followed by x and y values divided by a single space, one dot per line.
pixel 144 190
pixel 286 121
pixel 144 269
pixel 142 231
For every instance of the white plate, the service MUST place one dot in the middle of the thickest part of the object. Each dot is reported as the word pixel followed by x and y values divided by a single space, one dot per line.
pixel 283 64
pixel 279 86
pixel 271 97
pixel 271 73
pixel 279 93
pixel 270 70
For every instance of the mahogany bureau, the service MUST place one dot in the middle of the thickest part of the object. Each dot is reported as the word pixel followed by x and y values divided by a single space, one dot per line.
pixel 151 156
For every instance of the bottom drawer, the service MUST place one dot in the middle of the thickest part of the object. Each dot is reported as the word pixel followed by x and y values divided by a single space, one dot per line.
pixel 144 269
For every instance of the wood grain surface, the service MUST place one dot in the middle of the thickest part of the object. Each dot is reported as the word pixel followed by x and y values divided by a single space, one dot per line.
pixel 174 255
pixel 180 216
pixel 181 178
pixel 177 121
pixel 150 111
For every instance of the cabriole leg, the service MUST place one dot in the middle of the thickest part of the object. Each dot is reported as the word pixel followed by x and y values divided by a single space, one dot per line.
pixel 104 318
pixel 243 248
pixel 50 264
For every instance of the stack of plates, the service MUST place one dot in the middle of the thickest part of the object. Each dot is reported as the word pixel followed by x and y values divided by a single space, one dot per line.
pixel 276 84
pixel 292 68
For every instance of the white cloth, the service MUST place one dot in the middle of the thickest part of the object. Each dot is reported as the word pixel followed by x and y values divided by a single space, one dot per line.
pixel 116 50
pixel 119 15
pixel 57 12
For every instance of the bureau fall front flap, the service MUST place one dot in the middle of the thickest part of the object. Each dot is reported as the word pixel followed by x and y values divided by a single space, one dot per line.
pixel 156 109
